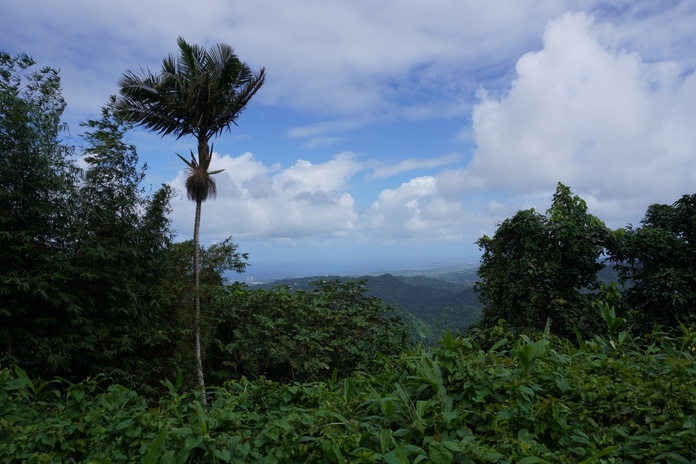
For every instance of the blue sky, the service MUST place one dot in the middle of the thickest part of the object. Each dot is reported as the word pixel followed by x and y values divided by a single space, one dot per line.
pixel 394 134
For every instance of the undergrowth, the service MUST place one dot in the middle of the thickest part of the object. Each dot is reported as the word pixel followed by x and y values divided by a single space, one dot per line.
pixel 614 399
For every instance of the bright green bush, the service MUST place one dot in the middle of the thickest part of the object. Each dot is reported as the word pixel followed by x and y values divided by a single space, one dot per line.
pixel 614 399
pixel 303 335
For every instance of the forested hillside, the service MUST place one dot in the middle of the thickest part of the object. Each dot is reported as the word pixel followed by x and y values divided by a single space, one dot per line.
pixel 429 305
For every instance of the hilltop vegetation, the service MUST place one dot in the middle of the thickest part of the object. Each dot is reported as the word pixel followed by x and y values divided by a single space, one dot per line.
pixel 543 400
pixel 428 305
pixel 548 268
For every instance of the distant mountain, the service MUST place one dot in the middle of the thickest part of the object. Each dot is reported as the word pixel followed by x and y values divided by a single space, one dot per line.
pixel 429 305
pixel 429 301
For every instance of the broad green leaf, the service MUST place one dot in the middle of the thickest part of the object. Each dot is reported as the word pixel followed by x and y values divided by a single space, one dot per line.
pixel 124 424
pixel 155 450
pixel 533 460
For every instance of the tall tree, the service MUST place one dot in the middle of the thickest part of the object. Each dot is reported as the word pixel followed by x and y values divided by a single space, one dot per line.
pixel 539 266
pixel 121 253
pixel 201 92
pixel 38 182
pixel 658 263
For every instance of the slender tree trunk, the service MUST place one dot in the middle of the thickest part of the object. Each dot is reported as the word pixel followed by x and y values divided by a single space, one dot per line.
pixel 197 298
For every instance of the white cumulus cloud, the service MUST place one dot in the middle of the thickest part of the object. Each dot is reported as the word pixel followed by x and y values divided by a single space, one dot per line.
pixel 259 201
pixel 594 117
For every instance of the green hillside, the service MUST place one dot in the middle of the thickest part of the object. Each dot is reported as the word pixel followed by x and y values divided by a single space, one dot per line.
pixel 429 305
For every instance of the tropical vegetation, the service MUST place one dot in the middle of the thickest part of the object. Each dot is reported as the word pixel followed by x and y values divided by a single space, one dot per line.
pixel 80 257
pixel 102 359
pixel 200 93
pixel 543 267
pixel 613 399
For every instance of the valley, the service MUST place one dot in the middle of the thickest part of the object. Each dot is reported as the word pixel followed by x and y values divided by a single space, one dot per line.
pixel 429 302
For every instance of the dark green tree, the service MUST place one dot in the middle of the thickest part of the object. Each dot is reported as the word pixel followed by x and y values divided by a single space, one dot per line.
pixel 199 93
pixel 215 261
pixel 38 185
pixel 302 335
pixel 657 263
pixel 539 267
pixel 121 253
pixel 82 261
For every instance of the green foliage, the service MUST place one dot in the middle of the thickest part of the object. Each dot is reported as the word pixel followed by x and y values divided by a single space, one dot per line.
pixel 200 92
pixel 541 401
pixel 216 260
pixel 543 267
pixel 428 306
pixel 38 185
pixel 658 263
pixel 176 294
pixel 120 252
pixel 81 263
pixel 527 352
pixel 301 335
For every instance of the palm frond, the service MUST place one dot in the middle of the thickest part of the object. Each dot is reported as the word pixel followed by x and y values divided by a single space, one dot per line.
pixel 190 164
pixel 200 92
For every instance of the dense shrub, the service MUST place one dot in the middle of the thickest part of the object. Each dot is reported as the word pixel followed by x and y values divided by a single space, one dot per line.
pixel 658 263
pixel 615 399
pixel 299 335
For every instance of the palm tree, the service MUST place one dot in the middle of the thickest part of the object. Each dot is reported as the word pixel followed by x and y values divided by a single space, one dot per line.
pixel 201 93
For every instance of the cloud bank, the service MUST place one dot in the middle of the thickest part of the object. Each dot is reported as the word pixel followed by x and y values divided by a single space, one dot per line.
pixel 597 118
pixel 579 110
pixel 404 122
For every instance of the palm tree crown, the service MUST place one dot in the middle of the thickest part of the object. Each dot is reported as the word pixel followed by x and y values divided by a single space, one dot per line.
pixel 201 92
